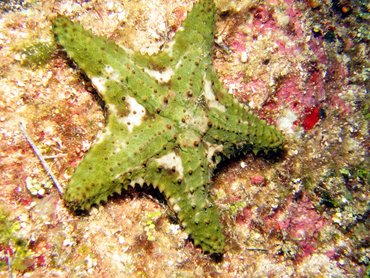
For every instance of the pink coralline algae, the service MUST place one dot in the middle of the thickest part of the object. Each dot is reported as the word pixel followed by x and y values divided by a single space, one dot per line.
pixel 300 223
pixel 257 179
pixel 286 67
pixel 245 217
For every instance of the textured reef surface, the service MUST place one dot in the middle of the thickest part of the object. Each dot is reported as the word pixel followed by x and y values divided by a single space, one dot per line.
pixel 301 66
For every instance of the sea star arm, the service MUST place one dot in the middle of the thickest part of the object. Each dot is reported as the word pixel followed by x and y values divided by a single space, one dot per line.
pixel 195 34
pixel 182 64
pixel 198 88
pixel 233 126
pixel 183 176
pixel 109 67
pixel 196 209
pixel 111 164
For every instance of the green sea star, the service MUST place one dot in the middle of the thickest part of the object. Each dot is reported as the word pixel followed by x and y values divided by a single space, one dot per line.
pixel 169 122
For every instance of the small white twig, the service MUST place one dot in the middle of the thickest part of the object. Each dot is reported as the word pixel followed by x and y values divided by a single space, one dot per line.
pixel 257 249
pixel 9 263
pixel 42 160
pixel 55 156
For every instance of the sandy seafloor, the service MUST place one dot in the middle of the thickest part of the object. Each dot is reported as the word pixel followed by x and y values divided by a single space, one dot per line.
pixel 301 65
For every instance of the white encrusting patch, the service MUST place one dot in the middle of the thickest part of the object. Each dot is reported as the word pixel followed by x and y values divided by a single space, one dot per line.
pixel 178 64
pixel 101 137
pixel 139 181
pixel 210 96
pixel 199 121
pixel 112 73
pixel 173 201
pixel 119 146
pixel 286 122
pixel 136 115
pixel 176 208
pixel 212 149
pixel 161 76
pixel 169 48
pixel 171 161
pixel 99 84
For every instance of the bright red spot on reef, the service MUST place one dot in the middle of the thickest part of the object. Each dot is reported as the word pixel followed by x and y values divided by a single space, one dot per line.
pixel 311 119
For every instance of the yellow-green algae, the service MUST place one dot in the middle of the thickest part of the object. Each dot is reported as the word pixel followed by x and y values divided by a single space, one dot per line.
pixel 12 246
pixel 37 54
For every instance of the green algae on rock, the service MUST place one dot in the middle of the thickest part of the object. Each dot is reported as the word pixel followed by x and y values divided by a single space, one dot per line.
pixel 37 54
pixel 169 122
pixel 12 245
